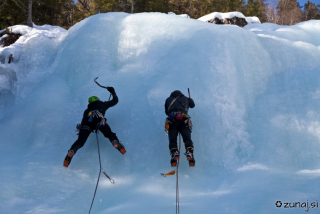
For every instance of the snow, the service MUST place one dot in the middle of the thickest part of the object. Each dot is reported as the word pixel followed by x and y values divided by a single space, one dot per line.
pixel 219 15
pixel 181 15
pixel 256 120
pixel 28 33
pixel 252 20
pixel 229 15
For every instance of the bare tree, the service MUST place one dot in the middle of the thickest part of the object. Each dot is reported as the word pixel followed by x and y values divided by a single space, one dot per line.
pixel 271 12
pixel 132 6
pixel 29 18
pixel 26 10
pixel 284 12
pixel 289 12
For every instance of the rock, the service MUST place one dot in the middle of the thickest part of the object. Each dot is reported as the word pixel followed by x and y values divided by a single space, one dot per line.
pixel 241 22
pixel 231 18
pixel 215 21
pixel 8 38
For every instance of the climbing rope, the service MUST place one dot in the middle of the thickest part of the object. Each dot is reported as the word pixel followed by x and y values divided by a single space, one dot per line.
pixel 177 181
pixel 112 181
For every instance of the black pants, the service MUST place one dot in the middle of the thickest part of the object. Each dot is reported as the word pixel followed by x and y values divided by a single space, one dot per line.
pixel 179 126
pixel 85 132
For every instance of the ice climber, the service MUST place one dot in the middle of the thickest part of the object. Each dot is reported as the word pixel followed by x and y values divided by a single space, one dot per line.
pixel 93 119
pixel 178 121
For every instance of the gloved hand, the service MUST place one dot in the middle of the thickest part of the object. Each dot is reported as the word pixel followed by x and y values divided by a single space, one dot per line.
pixel 78 127
pixel 111 90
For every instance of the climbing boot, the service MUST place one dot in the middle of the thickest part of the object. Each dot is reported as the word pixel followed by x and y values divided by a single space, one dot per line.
pixel 68 158
pixel 190 158
pixel 174 157
pixel 116 144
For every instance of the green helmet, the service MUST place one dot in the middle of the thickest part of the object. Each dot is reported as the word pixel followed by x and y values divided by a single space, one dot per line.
pixel 93 99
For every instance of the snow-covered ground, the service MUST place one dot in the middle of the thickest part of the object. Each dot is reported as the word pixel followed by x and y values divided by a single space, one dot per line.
pixel 256 121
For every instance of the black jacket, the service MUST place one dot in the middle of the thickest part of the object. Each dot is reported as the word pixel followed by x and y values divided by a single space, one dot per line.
pixel 177 106
pixel 100 106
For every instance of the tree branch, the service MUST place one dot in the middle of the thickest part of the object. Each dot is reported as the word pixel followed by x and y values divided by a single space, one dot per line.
pixel 5 1
pixel 85 5
pixel 21 5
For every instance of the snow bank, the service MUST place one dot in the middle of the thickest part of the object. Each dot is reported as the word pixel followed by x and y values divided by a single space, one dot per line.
pixel 28 33
pixel 252 20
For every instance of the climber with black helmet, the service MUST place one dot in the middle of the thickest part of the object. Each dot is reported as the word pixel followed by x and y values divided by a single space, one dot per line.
pixel 93 119
pixel 178 121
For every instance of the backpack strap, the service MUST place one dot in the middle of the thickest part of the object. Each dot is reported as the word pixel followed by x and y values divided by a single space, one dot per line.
pixel 184 105
pixel 172 103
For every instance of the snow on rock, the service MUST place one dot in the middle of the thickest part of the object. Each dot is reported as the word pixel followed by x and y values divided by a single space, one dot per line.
pixel 28 33
pixel 219 15
pixel 33 46
pixel 181 15
pixel 234 18
pixel 253 20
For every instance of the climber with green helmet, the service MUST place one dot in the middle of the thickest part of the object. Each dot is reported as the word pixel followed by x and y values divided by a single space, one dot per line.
pixel 93 119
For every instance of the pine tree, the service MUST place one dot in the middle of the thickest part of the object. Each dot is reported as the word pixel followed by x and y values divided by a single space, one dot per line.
pixel 256 8
pixel 311 11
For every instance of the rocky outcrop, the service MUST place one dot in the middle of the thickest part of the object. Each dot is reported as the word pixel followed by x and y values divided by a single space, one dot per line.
pixel 231 18
pixel 241 22
pixel 8 38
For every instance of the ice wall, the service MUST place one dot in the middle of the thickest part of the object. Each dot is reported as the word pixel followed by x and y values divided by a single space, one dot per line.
pixel 256 129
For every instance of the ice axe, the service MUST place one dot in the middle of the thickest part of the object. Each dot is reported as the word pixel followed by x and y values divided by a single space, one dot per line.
pixel 106 87
pixel 188 92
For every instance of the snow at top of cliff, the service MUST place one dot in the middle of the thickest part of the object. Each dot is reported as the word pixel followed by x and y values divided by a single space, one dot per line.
pixel 228 15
